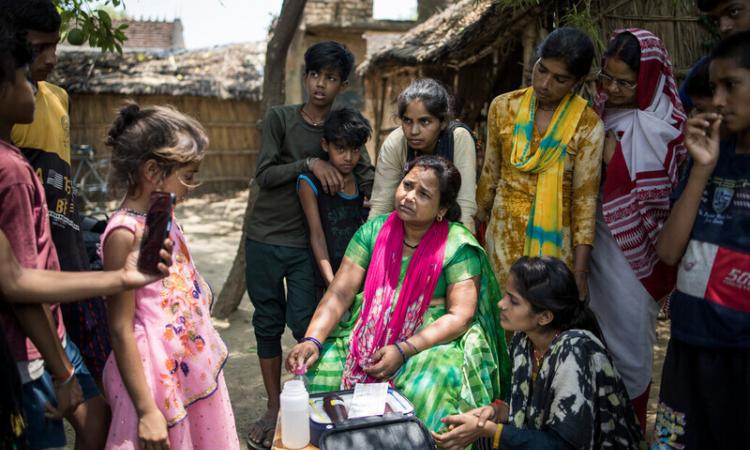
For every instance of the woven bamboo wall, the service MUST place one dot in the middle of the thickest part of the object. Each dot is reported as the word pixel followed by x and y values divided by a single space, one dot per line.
pixel 674 21
pixel 231 127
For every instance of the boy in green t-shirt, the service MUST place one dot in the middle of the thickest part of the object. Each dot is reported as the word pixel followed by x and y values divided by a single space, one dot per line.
pixel 277 242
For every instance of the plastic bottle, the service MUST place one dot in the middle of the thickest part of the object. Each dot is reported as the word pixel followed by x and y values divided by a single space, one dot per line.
pixel 295 415
pixel 300 374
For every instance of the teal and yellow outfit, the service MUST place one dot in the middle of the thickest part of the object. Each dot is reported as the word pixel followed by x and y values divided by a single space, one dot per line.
pixel 471 371
pixel 45 143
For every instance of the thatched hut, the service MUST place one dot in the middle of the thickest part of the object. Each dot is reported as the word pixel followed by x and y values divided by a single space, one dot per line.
pixel 481 48
pixel 221 87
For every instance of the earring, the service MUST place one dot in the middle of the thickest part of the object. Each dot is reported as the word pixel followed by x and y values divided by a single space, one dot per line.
pixel 439 218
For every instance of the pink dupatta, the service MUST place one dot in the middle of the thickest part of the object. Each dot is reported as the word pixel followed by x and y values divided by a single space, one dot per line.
pixel 380 323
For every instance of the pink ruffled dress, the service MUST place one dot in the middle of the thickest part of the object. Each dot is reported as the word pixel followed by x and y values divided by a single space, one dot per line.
pixel 182 356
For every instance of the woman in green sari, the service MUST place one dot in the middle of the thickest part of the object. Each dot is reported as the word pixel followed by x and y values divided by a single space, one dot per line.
pixel 427 320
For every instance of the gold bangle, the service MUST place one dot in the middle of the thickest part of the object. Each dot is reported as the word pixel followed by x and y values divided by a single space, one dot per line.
pixel 496 437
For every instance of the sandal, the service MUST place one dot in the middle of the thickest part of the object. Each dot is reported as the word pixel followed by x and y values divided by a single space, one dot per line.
pixel 268 427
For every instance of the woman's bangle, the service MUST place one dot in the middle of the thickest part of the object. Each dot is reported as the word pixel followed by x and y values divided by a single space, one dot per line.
pixel 403 355
pixel 495 406
pixel 411 346
pixel 314 341
pixel 496 437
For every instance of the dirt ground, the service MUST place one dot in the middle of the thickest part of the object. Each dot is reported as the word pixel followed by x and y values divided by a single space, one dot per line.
pixel 212 224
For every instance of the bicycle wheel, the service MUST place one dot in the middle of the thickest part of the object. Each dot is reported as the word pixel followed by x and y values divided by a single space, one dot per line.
pixel 92 187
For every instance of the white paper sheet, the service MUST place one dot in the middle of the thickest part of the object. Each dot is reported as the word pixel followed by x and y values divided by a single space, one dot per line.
pixel 368 400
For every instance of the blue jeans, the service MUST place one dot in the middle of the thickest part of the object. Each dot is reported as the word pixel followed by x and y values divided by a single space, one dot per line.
pixel 41 431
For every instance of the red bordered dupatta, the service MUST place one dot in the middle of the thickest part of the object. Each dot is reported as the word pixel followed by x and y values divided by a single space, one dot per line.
pixel 643 171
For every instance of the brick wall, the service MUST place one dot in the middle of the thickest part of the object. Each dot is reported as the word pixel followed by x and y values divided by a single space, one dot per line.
pixel 152 34
pixel 337 12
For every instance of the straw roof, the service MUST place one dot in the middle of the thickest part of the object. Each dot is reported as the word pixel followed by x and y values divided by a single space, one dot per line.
pixel 226 72
pixel 470 30
pixel 468 27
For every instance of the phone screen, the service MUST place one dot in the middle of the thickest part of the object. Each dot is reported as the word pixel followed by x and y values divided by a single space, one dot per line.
pixel 158 225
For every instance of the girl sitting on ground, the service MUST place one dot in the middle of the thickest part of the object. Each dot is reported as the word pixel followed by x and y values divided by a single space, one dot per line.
pixel 565 392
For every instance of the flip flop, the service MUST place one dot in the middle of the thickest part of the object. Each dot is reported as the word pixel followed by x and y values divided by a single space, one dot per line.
pixel 268 427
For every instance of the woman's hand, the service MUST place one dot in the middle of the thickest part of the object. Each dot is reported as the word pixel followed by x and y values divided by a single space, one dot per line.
pixel 303 354
pixel 464 429
pixel 385 362
pixel 582 281
pixel 152 431
pixel 496 412
pixel 702 139
pixel 581 258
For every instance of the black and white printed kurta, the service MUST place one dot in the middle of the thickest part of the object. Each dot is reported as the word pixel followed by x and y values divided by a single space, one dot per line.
pixel 577 394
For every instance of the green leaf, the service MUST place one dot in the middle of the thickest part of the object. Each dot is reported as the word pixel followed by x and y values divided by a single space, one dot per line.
pixel 104 17
pixel 94 20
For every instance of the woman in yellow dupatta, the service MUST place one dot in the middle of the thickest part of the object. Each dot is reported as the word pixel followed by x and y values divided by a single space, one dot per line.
pixel 540 180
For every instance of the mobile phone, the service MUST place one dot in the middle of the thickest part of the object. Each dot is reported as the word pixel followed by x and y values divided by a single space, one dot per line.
pixel 158 226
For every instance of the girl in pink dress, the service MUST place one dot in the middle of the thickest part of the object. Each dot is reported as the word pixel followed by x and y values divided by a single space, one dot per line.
pixel 163 379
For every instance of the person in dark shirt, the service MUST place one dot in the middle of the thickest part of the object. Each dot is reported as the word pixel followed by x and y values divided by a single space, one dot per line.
pixel 704 401
pixel 698 88
pixel 332 219
pixel 730 16
pixel 279 271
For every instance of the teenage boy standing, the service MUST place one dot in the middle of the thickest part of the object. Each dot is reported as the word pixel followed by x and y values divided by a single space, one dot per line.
pixel 704 401
pixel 277 242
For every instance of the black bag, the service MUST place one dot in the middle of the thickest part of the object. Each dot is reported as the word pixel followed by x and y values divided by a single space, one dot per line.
pixel 387 432
pixel 92 229
pixel 394 430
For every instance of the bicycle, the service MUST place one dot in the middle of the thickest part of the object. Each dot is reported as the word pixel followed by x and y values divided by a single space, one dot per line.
pixel 90 179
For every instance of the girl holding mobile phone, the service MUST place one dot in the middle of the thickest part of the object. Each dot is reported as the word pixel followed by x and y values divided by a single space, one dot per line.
pixel 164 378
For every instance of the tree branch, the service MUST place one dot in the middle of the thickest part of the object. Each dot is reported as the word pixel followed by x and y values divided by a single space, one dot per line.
pixel 274 75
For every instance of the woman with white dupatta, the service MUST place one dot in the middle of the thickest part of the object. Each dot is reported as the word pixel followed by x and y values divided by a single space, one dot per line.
pixel 643 118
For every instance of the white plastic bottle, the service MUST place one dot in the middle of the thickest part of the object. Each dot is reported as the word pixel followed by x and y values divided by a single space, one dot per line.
pixel 295 415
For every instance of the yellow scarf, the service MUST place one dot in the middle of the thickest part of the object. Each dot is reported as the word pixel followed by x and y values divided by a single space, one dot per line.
pixel 544 230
